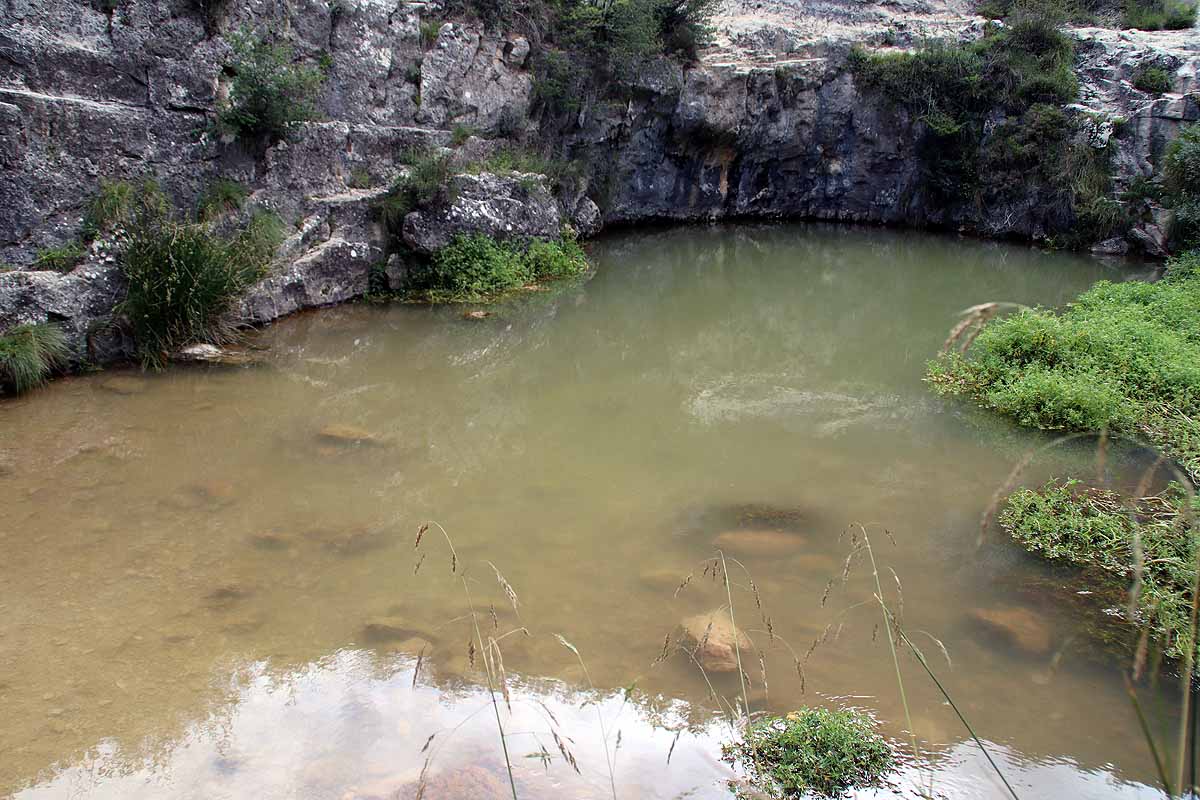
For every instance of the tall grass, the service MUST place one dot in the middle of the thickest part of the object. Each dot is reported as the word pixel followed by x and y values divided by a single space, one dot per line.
pixel 29 353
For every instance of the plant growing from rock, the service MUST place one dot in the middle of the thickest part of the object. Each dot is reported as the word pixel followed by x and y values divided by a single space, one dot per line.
pixel 220 197
pixel 59 259
pixel 1181 174
pixel 269 92
pixel 28 353
pixel 1152 80
pixel 813 751
pixel 184 278
pixel 479 267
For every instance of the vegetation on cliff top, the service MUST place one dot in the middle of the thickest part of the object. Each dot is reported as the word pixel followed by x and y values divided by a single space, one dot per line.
pixel 813 751
pixel 995 127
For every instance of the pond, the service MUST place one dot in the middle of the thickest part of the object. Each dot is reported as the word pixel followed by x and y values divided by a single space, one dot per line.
pixel 210 586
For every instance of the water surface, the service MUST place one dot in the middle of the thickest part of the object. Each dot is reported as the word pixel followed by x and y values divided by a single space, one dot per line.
pixel 202 596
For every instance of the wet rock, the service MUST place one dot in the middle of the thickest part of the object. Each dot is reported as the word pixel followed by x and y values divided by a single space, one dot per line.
pixel 1017 626
pixel 272 540
pixel 211 354
pixel 662 580
pixel 350 541
pixel 391 629
pixel 227 595
pixel 124 384
pixel 477 314
pixel 761 543
pixel 815 563
pixel 712 639
pixel 339 434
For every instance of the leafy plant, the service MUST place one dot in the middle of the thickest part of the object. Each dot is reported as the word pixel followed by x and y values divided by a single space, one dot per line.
pixel 479 267
pixel 1155 15
pixel 117 202
pixel 59 259
pixel 183 279
pixel 1181 176
pixel 460 134
pixel 268 92
pixel 430 28
pixel 1152 80
pixel 28 353
pixel 425 183
pixel 220 197
pixel 813 751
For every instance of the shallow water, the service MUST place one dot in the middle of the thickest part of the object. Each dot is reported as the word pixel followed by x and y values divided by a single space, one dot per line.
pixel 203 597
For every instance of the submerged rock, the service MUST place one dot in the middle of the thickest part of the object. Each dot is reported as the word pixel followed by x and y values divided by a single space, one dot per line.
pixel 272 540
pixel 759 542
pixel 473 782
pixel 393 629
pixel 348 435
pixel 124 384
pixel 714 641
pixel 1018 626
pixel 211 354
pixel 227 595
pixel 350 541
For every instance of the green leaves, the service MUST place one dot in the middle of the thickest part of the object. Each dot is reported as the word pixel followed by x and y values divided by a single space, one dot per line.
pixel 268 92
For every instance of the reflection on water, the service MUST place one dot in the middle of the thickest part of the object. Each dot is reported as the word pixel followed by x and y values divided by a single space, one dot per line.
pixel 210 588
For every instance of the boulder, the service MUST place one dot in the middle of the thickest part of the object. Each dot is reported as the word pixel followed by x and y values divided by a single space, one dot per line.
pixel 1017 626
pixel 340 434
pixel 759 543
pixel 517 205
pixel 714 641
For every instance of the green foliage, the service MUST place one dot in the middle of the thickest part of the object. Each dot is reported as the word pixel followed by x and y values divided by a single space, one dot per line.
pixel 1124 356
pixel 28 353
pixel 268 92
pixel 1096 529
pixel 221 196
pixel 1181 175
pixel 460 134
pixel 183 279
pixel 478 267
pixel 813 751
pixel 59 259
pixel 360 178
pixel 117 202
pixel 430 28
pixel 519 159
pixel 1153 80
pixel 425 184
pixel 1156 15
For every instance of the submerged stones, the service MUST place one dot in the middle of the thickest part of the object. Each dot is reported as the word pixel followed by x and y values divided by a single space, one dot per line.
pixel 124 384
pixel 714 641
pixel 761 543
pixel 348 435
pixel 759 530
pixel 1017 626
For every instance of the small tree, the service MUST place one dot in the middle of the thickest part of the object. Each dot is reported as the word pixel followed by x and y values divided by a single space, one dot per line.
pixel 268 92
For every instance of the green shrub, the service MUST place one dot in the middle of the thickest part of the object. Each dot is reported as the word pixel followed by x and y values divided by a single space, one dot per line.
pixel 1153 80
pixel 478 267
pixel 117 202
pixel 360 178
pixel 426 183
pixel 460 134
pixel 268 92
pixel 1123 355
pixel 1181 177
pixel 1095 529
pixel 221 196
pixel 813 751
pixel 430 28
pixel 183 279
pixel 28 353
pixel 59 259
pixel 1156 15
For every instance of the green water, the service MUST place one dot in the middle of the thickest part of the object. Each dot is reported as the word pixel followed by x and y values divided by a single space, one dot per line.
pixel 201 596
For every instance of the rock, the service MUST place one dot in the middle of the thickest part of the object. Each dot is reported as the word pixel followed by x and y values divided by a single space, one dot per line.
pixel 760 543
pixel 272 540
pixel 390 629
pixel 473 782
pixel 712 638
pixel 1151 238
pixel 1018 626
pixel 124 384
pixel 227 595
pixel 1111 247
pixel 332 272
pixel 211 354
pixel 348 435
pixel 477 314
pixel 213 492
pixel 501 206
pixel 351 541
pixel 662 580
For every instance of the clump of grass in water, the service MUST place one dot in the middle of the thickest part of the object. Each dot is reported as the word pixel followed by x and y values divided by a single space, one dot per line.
pixel 28 353
pixel 814 750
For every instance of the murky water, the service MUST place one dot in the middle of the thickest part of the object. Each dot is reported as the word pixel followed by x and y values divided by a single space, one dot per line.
pixel 202 596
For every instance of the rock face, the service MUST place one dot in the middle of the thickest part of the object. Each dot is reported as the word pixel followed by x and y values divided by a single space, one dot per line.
pixel 714 641
pixel 770 124
pixel 501 206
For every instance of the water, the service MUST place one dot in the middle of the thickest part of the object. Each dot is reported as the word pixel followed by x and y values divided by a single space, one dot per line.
pixel 203 597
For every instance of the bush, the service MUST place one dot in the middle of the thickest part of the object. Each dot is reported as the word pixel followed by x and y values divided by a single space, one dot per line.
pixel 117 202
pixel 221 196
pixel 1096 529
pixel 1124 356
pixel 1152 80
pixel 28 353
pixel 1156 15
pixel 478 267
pixel 425 184
pixel 59 259
pixel 460 134
pixel 268 93
pixel 1181 176
pixel 183 279
pixel 815 750
pixel 430 28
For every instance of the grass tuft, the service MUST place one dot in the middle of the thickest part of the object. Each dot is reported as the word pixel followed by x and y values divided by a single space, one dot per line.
pixel 220 197
pixel 477 267
pixel 59 259
pixel 28 353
